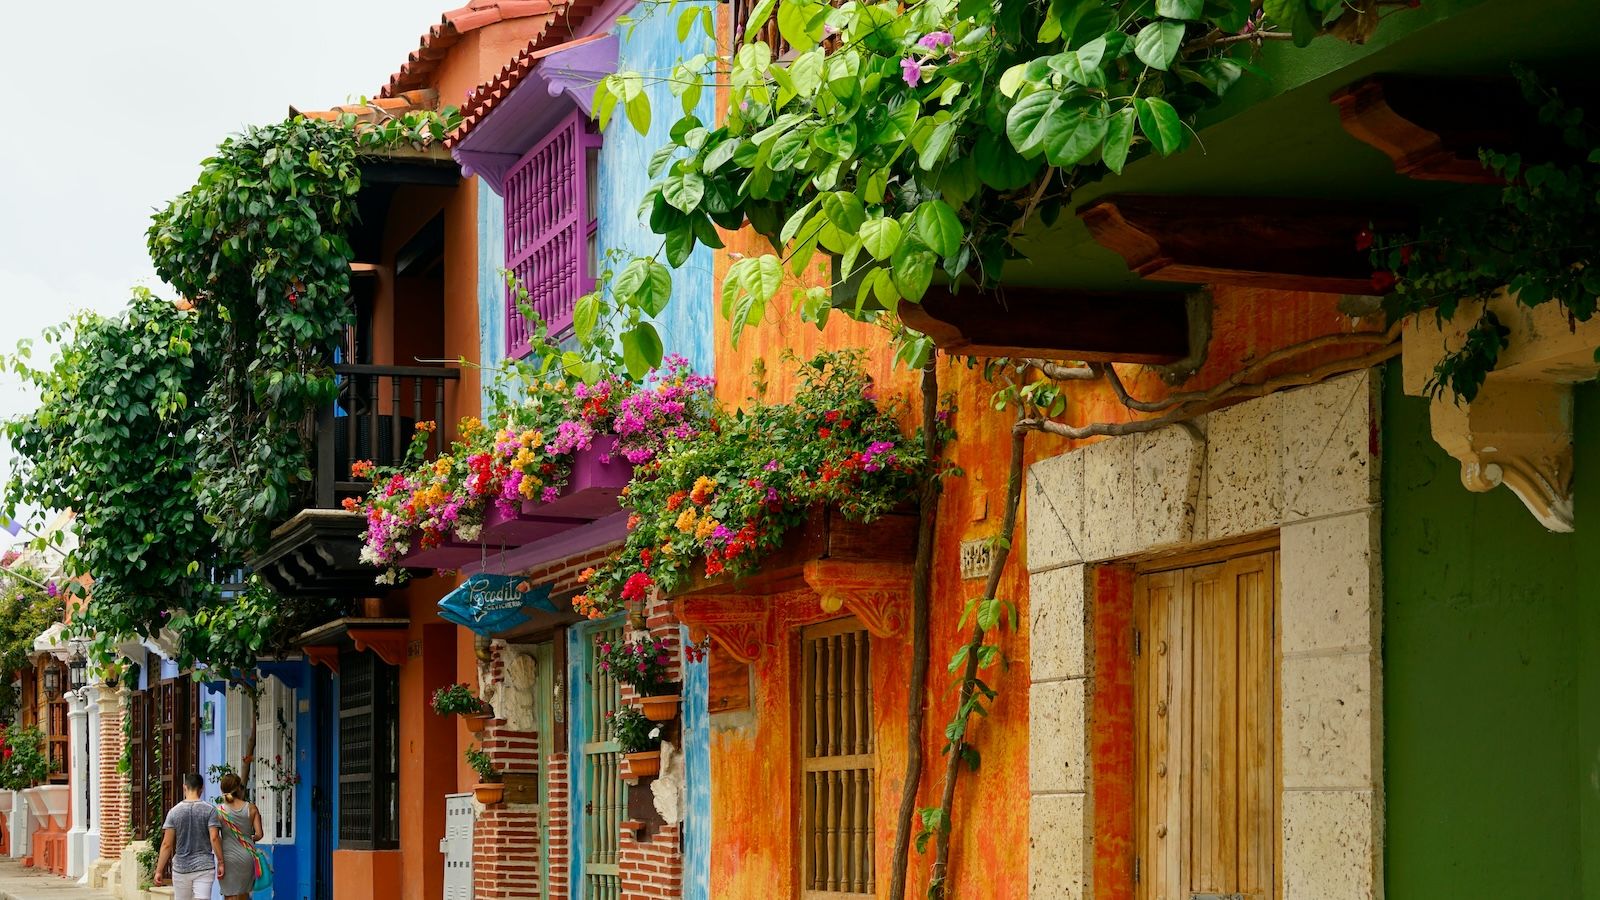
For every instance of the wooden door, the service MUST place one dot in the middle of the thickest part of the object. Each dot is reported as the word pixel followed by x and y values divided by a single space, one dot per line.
pixel 1206 685
pixel 838 762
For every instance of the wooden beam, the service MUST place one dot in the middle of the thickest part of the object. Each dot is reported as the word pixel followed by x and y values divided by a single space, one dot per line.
pixel 1433 128
pixel 1272 243
pixel 1134 327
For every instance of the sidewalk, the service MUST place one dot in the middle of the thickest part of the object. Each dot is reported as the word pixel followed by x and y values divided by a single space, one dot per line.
pixel 18 883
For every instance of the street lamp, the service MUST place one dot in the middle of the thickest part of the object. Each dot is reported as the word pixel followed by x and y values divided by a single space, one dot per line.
pixel 76 674
pixel 52 683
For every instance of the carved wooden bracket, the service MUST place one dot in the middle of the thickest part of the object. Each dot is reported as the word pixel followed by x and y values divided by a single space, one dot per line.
pixel 876 593
pixel 1518 430
pixel 1283 244
pixel 388 643
pixel 323 656
pixel 740 625
pixel 1433 128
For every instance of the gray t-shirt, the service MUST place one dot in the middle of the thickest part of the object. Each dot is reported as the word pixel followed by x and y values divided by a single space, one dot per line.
pixel 191 822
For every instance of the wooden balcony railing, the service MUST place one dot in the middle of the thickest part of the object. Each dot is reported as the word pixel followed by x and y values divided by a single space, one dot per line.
pixel 373 418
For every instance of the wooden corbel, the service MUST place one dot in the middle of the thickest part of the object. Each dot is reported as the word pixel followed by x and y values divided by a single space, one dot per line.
pixel 323 656
pixel 876 593
pixel 740 625
pixel 388 643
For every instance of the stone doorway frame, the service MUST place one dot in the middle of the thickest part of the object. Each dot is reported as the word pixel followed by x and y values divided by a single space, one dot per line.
pixel 1303 463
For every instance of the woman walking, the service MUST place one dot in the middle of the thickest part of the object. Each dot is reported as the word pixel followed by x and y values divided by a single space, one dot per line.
pixel 190 842
pixel 241 826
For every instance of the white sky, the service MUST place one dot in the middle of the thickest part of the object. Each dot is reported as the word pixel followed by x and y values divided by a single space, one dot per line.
pixel 113 105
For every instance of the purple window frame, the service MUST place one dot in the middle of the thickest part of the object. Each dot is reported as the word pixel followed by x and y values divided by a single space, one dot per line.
pixel 547 240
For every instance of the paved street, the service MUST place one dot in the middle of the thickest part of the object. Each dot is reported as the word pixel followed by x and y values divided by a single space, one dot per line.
pixel 18 883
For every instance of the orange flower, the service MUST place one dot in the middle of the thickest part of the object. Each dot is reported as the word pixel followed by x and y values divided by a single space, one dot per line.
pixel 351 504
pixel 585 575
pixel 676 500
pixel 362 468
pixel 703 488
pixel 427 426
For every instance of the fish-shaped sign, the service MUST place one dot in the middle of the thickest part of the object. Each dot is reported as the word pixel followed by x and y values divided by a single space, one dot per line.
pixel 494 604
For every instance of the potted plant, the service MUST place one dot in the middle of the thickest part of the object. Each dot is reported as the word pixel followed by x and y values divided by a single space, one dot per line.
pixel 643 665
pixel 457 699
pixel 639 739
pixel 489 790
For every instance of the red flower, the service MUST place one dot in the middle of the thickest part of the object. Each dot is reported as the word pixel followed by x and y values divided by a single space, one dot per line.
pixel 845 424
pixel 1405 255
pixel 1364 239
pixel 824 433
pixel 637 585
pixel 832 416
pixel 1382 281
pixel 644 556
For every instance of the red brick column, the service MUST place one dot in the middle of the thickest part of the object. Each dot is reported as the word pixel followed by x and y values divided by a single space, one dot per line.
pixel 556 786
pixel 505 847
pixel 113 799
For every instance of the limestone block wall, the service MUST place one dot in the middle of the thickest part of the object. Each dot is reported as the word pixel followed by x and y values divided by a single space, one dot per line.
pixel 1301 463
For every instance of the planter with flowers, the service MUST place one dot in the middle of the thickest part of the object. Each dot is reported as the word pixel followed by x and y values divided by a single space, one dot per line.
pixel 639 739
pixel 457 700
pixel 643 664
pixel 489 790
pixel 765 482
pixel 556 456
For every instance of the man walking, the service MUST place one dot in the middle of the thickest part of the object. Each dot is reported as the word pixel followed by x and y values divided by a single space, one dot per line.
pixel 189 840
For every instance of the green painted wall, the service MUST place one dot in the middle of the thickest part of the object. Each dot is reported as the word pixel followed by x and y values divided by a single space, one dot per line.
pixel 1491 677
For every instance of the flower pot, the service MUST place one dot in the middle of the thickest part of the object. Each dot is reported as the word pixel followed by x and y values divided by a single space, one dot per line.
pixel 644 765
pixel 489 793
pixel 660 709
pixel 477 722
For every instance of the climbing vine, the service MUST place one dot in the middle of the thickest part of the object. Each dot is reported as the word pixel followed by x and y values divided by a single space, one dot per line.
pixel 1537 240
pixel 28 605
pixel 179 432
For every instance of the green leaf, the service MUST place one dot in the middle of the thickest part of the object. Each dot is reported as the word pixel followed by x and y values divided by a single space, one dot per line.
pixel 1001 167
pixel 686 20
pixel 639 112
pixel 1030 120
pixel 685 191
pixel 641 349
pixel 1157 44
pixel 758 19
pixel 1160 124
pixel 1010 82
pixel 934 148
pixel 913 270
pixel 605 101
pixel 585 315
pixel 939 227
pixel 1189 10
pixel 1293 15
pixel 1075 130
pixel 1119 138
pixel 763 277
pixel 719 155
pixel 844 210
pixel 880 236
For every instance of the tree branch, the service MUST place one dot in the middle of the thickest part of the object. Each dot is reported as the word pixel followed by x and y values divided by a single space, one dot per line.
pixel 1058 372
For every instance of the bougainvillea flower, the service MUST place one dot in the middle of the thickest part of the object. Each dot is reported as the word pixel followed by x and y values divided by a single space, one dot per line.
pixel 911 71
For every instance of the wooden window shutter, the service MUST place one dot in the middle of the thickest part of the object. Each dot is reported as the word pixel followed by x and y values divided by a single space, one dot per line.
pixel 1206 816
pixel 548 224
pixel 838 761
pixel 368 811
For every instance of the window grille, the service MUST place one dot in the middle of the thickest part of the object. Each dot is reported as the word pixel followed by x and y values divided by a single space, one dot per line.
pixel 838 761
pixel 550 219
pixel 368 817
pixel 606 794
pixel 140 765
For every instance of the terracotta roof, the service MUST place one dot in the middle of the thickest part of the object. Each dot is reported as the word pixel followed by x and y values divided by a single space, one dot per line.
pixel 486 96
pixel 456 23
pixel 378 109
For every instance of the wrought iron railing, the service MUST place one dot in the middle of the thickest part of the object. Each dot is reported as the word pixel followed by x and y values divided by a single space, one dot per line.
pixel 373 418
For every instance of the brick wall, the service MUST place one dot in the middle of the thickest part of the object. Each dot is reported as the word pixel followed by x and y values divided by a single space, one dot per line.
pixel 560 848
pixel 505 848
pixel 651 869
pixel 113 797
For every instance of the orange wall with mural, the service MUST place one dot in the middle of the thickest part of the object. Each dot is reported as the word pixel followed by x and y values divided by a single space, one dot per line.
pixel 755 817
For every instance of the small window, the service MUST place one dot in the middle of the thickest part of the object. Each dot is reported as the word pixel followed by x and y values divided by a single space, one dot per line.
pixel 275 770
pixel 368 811
pixel 551 214
pixel 1206 817
pixel 838 761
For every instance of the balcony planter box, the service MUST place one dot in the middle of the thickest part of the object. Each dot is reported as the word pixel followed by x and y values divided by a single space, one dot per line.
pixel 477 722
pixel 47 803
pixel 644 765
pixel 489 793
pixel 663 708
pixel 590 494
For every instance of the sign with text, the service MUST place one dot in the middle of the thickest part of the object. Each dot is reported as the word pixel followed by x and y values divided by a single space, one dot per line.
pixel 494 604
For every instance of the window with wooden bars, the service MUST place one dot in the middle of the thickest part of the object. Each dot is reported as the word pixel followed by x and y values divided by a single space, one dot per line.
pixel 551 218
pixel 1205 685
pixel 140 764
pixel 274 772
pixel 837 761
pixel 605 794
pixel 56 725
pixel 368 767
pixel 175 711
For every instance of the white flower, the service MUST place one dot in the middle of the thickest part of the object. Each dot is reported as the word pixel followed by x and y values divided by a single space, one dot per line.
pixel 655 732
pixel 469 531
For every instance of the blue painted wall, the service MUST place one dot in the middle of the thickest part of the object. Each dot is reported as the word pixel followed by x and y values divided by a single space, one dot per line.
pixel 650 44
pixel 697 772
pixel 578 639
pixel 491 284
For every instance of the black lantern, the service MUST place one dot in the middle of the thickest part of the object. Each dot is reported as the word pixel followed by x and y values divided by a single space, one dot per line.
pixel 52 683
pixel 77 674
